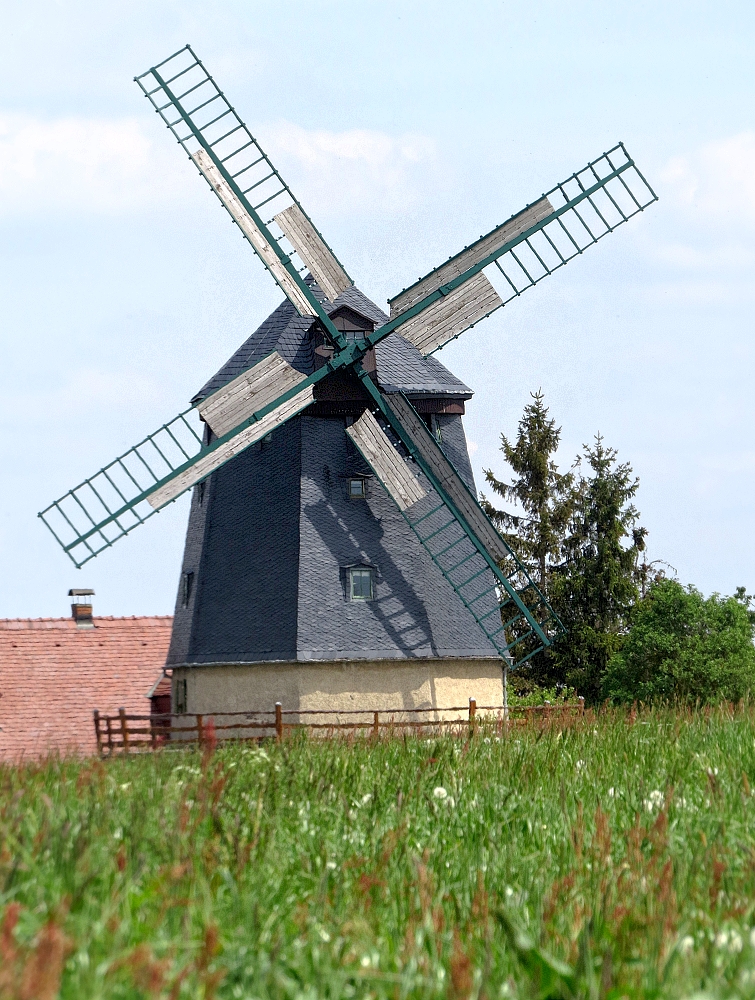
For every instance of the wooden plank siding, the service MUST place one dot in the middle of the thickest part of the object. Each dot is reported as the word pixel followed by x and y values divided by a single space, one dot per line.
pixel 252 232
pixel 451 315
pixel 310 246
pixel 259 386
pixel 448 477
pixel 207 464
pixel 472 255
pixel 390 468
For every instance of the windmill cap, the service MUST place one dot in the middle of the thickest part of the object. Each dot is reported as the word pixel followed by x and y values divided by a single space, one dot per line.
pixel 74 592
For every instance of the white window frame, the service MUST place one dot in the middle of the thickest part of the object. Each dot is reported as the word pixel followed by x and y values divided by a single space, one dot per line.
pixel 361 571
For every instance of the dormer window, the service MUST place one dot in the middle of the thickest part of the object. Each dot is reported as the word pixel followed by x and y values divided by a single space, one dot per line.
pixel 360 583
pixel 357 488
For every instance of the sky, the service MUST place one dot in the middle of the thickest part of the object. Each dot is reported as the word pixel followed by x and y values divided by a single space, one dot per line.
pixel 406 129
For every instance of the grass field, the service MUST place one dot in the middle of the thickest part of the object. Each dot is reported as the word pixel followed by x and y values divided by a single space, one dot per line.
pixel 615 858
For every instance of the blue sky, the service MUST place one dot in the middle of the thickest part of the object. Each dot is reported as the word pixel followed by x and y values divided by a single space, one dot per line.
pixel 406 129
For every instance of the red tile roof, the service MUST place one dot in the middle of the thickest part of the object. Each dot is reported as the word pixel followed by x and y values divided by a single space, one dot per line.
pixel 53 675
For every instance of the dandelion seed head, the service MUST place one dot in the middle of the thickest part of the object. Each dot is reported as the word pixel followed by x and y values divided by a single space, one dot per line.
pixel 440 792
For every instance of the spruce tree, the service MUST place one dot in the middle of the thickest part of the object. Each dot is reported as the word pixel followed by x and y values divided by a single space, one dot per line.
pixel 596 585
pixel 543 494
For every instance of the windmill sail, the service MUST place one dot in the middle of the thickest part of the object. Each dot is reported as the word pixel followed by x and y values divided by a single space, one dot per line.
pixel 198 114
pixel 456 533
pixel 571 217
pixel 127 491
pixel 225 450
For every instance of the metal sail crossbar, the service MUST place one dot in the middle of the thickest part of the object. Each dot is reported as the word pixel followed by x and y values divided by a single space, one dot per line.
pixel 462 542
pixel 567 220
pixel 199 115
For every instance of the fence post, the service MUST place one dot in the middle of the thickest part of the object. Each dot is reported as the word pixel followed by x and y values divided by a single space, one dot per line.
pixel 472 714
pixel 97 733
pixel 109 736
pixel 278 721
pixel 124 729
pixel 200 730
pixel 581 705
pixel 375 725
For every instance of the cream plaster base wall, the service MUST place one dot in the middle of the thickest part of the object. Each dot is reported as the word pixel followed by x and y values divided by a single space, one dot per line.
pixel 343 686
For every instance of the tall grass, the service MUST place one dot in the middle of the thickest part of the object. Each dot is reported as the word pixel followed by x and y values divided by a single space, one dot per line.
pixel 613 858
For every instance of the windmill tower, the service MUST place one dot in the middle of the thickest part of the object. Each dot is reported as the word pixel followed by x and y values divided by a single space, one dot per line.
pixel 336 555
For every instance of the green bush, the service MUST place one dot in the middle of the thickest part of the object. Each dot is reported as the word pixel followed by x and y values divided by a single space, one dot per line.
pixel 683 646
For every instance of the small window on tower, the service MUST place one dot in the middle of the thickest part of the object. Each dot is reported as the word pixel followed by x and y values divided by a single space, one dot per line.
pixel 360 584
pixel 357 489
pixel 187 586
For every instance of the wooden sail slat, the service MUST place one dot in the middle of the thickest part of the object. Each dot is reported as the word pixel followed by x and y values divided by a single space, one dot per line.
pixel 254 389
pixel 451 315
pixel 312 249
pixel 385 461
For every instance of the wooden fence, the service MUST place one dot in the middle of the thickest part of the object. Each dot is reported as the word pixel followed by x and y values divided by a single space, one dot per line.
pixel 124 733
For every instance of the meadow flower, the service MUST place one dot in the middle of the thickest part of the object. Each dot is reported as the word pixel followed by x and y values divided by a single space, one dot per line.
pixel 611 793
pixel 686 944
pixel 440 792
pixel 653 801
pixel 331 865
pixel 580 765
pixel 730 940
pixel 366 798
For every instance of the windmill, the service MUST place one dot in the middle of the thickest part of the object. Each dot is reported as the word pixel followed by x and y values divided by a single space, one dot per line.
pixel 418 478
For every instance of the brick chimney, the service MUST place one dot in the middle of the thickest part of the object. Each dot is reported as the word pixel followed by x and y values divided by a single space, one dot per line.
pixel 81 607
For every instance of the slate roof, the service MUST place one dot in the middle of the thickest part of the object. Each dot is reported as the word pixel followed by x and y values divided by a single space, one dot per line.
pixel 53 675
pixel 269 544
pixel 400 366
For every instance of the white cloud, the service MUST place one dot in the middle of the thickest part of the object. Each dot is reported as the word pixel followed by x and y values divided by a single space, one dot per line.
pixel 718 179
pixel 112 166
pixel 358 170
pixel 83 165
